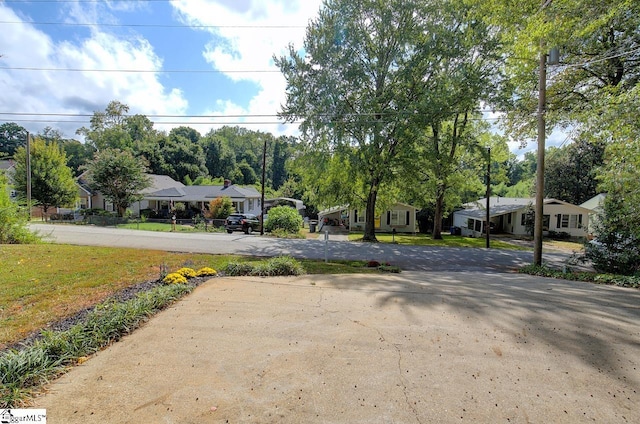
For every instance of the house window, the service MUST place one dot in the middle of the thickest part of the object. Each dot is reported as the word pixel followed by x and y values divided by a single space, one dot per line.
pixel 478 226
pixel 398 217
pixel 569 221
pixel 509 218
pixel 470 223
pixel 251 202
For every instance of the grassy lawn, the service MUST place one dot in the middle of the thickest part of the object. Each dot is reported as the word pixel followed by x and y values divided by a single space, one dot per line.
pixel 162 227
pixel 43 283
pixel 447 241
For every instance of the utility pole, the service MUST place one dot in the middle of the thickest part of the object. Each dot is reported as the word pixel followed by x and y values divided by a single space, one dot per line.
pixel 542 106
pixel 264 165
pixel 488 224
pixel 28 166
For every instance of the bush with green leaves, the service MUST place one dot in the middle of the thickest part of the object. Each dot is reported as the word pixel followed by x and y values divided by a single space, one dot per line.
pixel 13 219
pixel 616 248
pixel 279 266
pixel 569 274
pixel 283 218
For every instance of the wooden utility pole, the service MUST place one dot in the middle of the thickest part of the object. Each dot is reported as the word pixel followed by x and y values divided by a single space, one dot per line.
pixel 28 166
pixel 488 224
pixel 542 106
pixel 264 165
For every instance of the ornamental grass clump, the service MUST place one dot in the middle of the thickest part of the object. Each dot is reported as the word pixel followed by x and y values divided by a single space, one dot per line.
pixel 23 371
pixel 279 266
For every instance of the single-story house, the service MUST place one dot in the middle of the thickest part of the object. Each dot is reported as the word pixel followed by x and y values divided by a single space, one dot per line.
pixel 508 215
pixel 595 206
pixel 164 192
pixel 401 217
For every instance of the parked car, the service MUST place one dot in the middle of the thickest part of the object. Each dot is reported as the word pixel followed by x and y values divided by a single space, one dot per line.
pixel 242 222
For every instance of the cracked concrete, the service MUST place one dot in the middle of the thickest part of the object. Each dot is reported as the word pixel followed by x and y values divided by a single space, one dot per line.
pixel 417 347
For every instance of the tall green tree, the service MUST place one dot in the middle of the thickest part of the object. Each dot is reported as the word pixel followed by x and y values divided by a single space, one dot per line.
pixel 571 171
pixel 618 227
pixel 108 129
pixel 12 136
pixel 379 77
pixel 353 89
pixel 182 158
pixel 119 176
pixel 599 46
pixel 52 182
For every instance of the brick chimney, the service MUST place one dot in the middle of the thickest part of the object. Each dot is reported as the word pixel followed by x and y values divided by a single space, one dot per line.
pixel 227 183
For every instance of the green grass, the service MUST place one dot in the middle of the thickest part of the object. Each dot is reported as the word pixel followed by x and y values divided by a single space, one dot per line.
pixel 447 241
pixel 43 283
pixel 162 227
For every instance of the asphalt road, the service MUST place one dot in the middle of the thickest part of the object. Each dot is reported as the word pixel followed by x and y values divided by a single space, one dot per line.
pixel 417 258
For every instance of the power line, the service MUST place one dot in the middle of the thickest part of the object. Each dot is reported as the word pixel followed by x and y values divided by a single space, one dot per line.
pixel 142 71
pixel 99 24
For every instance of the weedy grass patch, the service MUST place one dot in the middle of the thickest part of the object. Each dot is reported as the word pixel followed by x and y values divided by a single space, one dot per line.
pixel 44 283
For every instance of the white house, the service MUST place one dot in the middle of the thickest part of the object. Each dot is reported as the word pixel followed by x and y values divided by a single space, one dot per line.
pixel 508 215
pixel 595 207
pixel 401 217
pixel 165 191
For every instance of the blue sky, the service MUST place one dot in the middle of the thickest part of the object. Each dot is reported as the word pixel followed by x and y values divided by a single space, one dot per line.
pixel 197 56
pixel 200 57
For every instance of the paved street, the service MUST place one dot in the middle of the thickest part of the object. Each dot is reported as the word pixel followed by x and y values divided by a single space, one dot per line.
pixel 423 258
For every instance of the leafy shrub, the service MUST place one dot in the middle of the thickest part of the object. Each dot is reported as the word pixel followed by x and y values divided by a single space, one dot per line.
pixel 206 271
pixel 283 218
pixel 279 266
pixel 568 274
pixel 13 219
pixel 220 208
pixel 236 269
pixel 174 278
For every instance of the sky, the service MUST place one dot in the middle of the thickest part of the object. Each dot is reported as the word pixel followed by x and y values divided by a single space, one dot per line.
pixel 190 58
pixel 199 63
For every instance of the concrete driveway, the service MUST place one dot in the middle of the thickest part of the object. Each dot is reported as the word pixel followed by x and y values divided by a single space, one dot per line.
pixel 417 347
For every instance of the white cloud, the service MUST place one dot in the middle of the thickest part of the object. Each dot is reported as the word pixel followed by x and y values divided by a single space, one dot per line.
pixel 48 91
pixel 244 43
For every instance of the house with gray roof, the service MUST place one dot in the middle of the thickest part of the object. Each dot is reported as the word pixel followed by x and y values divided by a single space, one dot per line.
pixel 244 199
pixel 508 215
pixel 165 192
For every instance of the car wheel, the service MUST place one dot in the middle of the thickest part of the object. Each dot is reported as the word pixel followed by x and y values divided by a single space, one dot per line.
pixel 249 230
pixel 229 231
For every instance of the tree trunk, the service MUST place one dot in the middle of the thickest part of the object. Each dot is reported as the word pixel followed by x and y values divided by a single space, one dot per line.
pixel 437 216
pixel 370 217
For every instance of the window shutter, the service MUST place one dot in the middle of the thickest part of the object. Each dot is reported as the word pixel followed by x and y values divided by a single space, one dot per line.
pixel 388 217
pixel 355 215
pixel 407 221
pixel 558 220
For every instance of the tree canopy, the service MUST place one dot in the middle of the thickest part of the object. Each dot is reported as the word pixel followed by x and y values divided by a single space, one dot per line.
pixel 52 182
pixel 119 176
